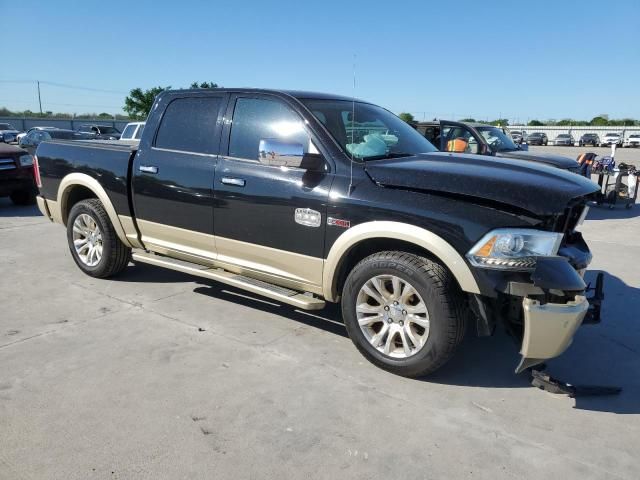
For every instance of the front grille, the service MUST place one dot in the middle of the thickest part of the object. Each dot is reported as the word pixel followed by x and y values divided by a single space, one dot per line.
pixel 7 164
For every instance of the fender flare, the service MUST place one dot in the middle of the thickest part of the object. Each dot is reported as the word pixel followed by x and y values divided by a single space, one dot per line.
pixel 73 179
pixel 421 237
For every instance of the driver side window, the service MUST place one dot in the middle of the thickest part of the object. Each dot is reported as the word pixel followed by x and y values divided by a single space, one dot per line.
pixel 459 139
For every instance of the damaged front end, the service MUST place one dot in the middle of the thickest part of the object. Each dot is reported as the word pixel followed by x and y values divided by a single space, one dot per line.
pixel 539 292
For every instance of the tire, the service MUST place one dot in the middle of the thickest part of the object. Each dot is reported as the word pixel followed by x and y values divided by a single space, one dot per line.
pixel 436 293
pixel 23 197
pixel 114 255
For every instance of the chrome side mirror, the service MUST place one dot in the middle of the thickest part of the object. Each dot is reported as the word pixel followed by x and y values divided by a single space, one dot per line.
pixel 275 152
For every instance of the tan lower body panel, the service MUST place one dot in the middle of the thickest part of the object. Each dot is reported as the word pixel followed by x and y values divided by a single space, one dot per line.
pixel 549 329
pixel 288 269
pixel 130 230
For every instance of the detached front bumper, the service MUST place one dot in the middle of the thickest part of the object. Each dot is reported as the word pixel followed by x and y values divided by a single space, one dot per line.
pixel 549 329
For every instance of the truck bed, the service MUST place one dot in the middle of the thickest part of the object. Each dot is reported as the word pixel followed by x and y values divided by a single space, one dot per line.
pixel 107 161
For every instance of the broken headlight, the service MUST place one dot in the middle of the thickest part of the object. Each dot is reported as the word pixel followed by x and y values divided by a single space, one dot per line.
pixel 513 249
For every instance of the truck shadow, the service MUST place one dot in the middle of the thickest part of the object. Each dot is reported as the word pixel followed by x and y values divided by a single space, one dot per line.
pixel 605 354
pixel 8 209
pixel 602 212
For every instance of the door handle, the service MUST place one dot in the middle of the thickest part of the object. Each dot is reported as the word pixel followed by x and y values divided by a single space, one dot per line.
pixel 148 169
pixel 236 182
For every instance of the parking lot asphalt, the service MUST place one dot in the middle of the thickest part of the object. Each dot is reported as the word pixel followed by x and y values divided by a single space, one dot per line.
pixel 156 374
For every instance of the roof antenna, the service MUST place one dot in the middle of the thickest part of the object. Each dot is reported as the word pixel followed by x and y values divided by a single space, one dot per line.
pixel 353 121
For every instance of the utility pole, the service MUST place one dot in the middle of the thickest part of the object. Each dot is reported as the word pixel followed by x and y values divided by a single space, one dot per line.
pixel 39 100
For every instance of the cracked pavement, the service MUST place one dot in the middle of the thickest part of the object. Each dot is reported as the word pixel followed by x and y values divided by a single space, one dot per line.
pixel 157 374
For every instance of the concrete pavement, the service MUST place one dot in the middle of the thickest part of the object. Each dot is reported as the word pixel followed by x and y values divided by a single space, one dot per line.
pixel 156 374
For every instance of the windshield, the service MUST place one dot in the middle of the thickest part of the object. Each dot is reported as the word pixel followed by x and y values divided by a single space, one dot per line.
pixel 108 129
pixel 368 132
pixel 634 136
pixel 563 135
pixel 6 126
pixel 496 138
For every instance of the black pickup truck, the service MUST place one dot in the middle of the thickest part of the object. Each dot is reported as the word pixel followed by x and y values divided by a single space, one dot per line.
pixel 310 198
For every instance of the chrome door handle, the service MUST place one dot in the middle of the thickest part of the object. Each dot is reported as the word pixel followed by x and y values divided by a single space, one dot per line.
pixel 236 182
pixel 148 169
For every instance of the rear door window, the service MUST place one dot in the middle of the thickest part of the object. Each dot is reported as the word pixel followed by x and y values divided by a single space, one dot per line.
pixel 189 125
pixel 139 132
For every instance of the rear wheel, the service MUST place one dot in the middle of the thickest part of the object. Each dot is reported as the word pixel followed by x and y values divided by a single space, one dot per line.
pixel 403 312
pixel 93 242
pixel 23 197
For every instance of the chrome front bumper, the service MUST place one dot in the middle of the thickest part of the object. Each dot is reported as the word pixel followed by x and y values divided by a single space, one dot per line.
pixel 549 329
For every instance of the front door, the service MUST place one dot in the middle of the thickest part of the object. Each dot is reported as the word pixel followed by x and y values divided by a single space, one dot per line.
pixel 260 209
pixel 173 177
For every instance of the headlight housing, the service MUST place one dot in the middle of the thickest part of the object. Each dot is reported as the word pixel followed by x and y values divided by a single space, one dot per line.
pixel 26 160
pixel 513 249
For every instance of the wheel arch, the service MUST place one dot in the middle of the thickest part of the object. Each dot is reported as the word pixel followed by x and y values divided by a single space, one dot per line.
pixel 367 238
pixel 79 186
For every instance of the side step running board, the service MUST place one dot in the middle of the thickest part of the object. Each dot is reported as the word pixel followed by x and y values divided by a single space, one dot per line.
pixel 284 295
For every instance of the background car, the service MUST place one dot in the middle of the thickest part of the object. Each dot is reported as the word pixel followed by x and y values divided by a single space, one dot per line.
pixel 589 139
pixel 632 140
pixel 537 138
pixel 8 133
pixel 31 141
pixel 564 139
pixel 99 132
pixel 24 134
pixel 517 136
pixel 612 138
pixel 132 131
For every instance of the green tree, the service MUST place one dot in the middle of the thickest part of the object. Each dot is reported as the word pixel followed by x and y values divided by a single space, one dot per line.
pixel 599 121
pixel 566 122
pixel 204 85
pixel 503 122
pixel 469 120
pixel 407 117
pixel 535 123
pixel 139 102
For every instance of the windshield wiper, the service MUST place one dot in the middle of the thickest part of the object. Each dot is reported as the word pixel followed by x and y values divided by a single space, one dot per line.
pixel 389 155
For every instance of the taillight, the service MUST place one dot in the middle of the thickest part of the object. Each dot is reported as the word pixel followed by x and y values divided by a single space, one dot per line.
pixel 36 172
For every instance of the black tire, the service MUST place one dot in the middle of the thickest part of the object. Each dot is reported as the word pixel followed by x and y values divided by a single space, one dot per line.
pixel 439 291
pixel 23 197
pixel 115 255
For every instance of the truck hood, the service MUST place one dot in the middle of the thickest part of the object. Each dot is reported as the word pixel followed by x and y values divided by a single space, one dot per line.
pixel 536 188
pixel 557 161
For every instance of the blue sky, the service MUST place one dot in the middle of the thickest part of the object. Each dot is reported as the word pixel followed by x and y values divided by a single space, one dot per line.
pixel 479 58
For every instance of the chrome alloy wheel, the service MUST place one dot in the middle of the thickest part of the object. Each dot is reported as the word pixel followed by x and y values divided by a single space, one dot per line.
pixel 392 316
pixel 87 240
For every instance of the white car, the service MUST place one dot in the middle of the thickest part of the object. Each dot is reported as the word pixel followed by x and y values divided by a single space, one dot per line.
pixel 611 138
pixel 632 140
pixel 133 131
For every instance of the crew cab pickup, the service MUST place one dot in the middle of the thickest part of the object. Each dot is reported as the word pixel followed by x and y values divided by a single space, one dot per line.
pixel 310 198
pixel 481 139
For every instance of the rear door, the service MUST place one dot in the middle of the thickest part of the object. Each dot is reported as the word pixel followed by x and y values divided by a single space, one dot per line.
pixel 173 177
pixel 257 227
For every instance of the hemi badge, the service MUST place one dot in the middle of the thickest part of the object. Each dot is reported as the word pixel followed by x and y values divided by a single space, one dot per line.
pixel 338 222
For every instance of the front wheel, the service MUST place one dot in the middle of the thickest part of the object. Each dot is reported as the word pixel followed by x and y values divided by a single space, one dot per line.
pixel 93 242
pixel 403 312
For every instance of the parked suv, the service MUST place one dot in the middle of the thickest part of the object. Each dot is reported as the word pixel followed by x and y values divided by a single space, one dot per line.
pixel 489 140
pixel 589 139
pixel 320 198
pixel 537 138
pixel 611 139
pixel 565 139
pixel 99 132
